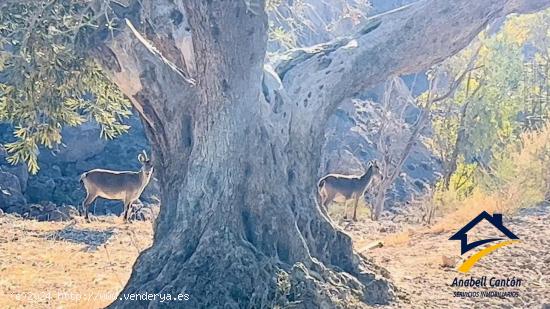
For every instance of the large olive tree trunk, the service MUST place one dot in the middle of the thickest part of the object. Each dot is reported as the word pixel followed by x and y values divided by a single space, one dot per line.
pixel 237 146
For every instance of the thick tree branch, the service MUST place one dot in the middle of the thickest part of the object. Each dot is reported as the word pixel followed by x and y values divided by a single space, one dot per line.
pixel 403 41
pixel 132 58
pixel 160 92
pixel 163 22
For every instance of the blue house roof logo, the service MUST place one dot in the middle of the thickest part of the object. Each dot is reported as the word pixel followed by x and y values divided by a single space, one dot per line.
pixel 462 235
pixel 495 220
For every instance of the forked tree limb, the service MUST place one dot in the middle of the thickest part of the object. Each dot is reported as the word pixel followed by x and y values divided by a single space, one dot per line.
pixel 403 41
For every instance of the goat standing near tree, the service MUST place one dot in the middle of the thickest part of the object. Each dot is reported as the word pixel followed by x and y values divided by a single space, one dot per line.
pixel 348 186
pixel 125 186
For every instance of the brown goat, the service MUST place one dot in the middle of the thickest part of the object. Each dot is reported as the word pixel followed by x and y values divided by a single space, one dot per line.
pixel 348 186
pixel 125 186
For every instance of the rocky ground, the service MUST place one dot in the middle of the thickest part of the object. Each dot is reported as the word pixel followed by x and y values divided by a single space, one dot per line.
pixel 84 265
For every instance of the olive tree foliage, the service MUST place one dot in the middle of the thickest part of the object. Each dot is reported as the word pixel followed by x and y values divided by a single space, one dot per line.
pixel 47 81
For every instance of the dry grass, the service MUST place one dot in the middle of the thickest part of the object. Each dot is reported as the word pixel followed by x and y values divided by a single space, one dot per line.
pixel 519 178
pixel 398 239
pixel 469 208
pixel 46 271
pixel 336 210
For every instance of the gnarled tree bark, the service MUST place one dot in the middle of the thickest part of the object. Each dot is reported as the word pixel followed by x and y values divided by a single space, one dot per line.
pixel 237 146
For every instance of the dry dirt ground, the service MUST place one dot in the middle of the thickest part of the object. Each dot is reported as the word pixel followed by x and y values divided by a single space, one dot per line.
pixel 422 261
pixel 85 265
pixel 67 265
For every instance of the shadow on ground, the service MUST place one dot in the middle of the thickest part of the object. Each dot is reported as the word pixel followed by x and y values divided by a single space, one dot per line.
pixel 91 238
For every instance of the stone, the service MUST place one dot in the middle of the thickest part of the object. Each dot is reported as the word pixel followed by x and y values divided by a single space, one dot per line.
pixel 40 188
pixel 143 212
pixel 81 143
pixel 33 210
pixel 70 210
pixel 55 216
pixel 56 171
pixel 48 211
pixel 19 170
pixel 67 191
pixel 10 192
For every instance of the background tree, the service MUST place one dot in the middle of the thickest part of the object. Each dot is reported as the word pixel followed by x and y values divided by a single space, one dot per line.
pixel 503 97
pixel 394 157
pixel 237 147
pixel 302 23
pixel 536 83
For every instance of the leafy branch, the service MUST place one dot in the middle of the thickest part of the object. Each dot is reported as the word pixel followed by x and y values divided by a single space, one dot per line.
pixel 47 79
